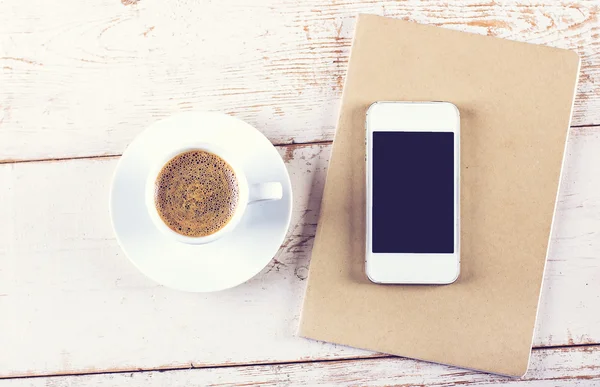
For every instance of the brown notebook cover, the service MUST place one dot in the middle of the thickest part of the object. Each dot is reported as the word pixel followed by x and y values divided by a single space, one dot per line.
pixel 515 101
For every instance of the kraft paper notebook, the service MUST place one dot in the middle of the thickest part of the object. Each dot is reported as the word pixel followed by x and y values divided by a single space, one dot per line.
pixel 515 101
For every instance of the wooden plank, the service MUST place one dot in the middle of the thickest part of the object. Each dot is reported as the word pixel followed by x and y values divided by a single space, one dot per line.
pixel 71 302
pixel 82 78
pixel 556 367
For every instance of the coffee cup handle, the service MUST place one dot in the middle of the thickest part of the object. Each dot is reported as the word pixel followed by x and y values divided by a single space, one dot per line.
pixel 265 191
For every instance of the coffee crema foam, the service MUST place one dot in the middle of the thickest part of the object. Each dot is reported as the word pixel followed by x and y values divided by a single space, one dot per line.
pixel 196 193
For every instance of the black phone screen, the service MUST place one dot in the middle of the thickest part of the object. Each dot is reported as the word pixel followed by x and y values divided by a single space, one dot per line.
pixel 413 192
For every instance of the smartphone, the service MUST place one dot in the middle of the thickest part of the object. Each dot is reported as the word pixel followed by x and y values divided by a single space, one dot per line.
pixel 413 182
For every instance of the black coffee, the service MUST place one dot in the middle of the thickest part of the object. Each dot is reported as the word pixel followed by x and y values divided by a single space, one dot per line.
pixel 196 193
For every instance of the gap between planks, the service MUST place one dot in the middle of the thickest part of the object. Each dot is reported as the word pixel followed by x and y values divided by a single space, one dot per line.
pixel 109 156
pixel 585 126
pixel 376 356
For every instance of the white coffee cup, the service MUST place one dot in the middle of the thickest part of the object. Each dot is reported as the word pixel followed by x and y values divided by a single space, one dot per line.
pixel 248 193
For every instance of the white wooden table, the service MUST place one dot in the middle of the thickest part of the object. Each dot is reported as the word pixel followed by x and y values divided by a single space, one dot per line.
pixel 80 78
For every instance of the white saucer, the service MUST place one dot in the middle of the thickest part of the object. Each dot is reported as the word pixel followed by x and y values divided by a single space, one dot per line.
pixel 228 261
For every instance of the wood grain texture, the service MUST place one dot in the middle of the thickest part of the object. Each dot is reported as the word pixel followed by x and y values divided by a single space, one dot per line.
pixel 81 78
pixel 76 305
pixel 577 366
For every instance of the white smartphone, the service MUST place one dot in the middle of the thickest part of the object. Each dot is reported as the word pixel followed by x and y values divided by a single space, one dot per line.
pixel 413 182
